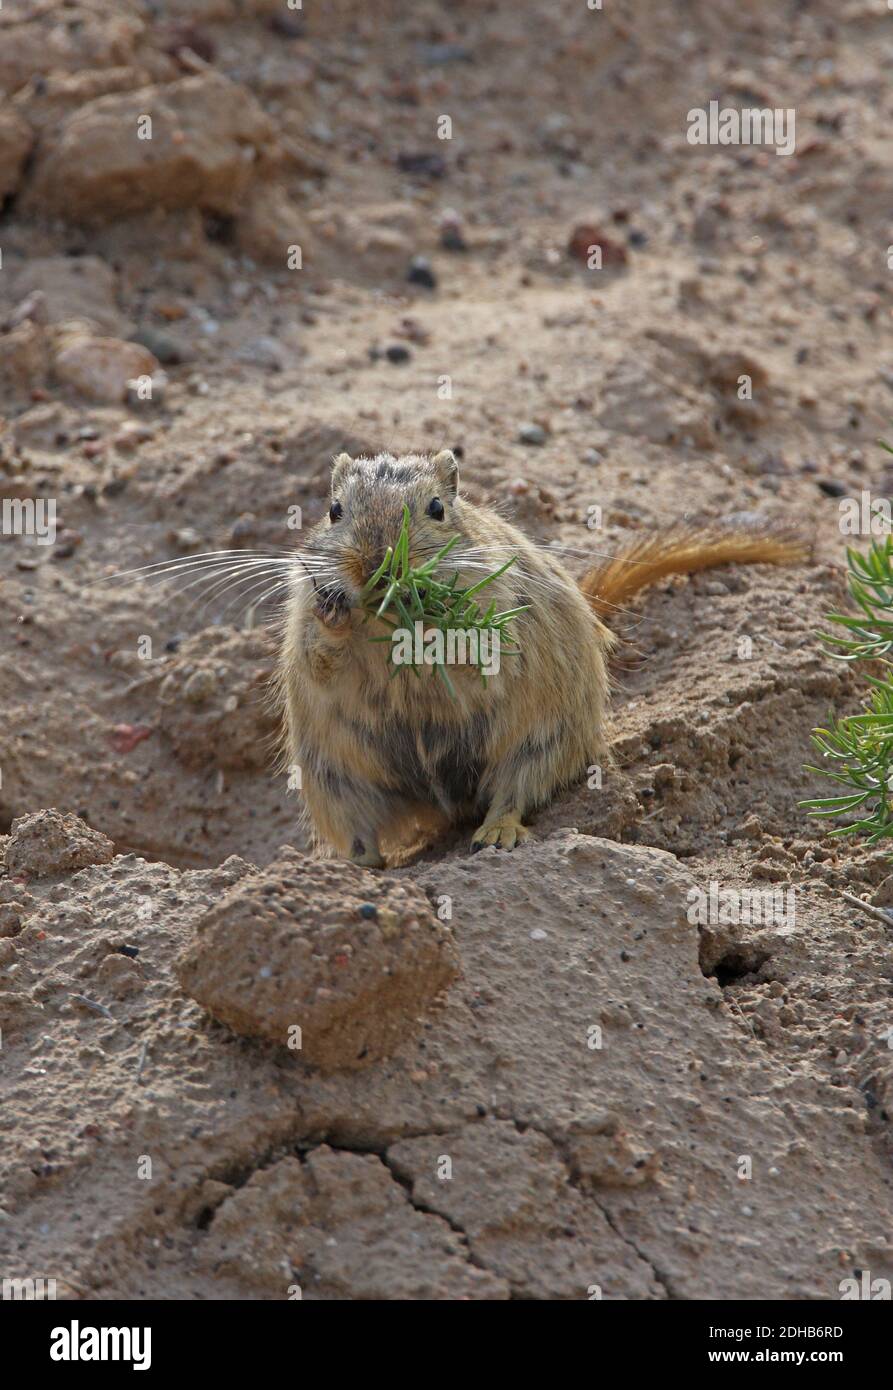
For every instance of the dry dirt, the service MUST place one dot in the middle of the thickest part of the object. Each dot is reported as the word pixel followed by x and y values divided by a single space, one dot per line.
pixel 573 1113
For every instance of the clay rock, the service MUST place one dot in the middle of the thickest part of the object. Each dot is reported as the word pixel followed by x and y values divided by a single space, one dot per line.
pixel 100 368
pixel 53 842
pixel 208 139
pixel 49 98
pixel 47 43
pixel 24 358
pixel 345 1220
pixel 73 287
pixel 351 958
pixel 270 226
pixel 16 139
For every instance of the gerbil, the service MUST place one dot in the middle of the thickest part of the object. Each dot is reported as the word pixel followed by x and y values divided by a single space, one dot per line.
pixel 377 750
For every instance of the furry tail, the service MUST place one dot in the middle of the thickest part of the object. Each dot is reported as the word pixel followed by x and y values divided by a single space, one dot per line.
pixel 685 549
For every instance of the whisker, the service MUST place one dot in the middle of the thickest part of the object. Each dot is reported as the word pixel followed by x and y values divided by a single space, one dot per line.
pixel 219 585
pixel 258 602
pixel 211 557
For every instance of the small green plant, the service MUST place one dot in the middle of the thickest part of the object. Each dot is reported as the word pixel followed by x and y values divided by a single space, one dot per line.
pixel 857 750
pixel 400 594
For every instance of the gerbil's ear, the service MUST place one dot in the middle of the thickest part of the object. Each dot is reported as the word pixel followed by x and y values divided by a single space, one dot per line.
pixel 447 470
pixel 339 468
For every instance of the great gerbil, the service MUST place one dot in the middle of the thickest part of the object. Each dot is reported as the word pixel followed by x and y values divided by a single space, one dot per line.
pixel 378 751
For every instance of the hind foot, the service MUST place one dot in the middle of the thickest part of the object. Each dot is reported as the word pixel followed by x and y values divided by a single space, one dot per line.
pixel 366 853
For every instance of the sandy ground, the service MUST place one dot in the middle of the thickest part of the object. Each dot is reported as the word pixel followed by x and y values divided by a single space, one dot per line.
pixel 141 707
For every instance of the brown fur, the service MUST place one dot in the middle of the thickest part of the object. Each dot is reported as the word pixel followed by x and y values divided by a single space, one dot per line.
pixel 378 751
pixel 686 549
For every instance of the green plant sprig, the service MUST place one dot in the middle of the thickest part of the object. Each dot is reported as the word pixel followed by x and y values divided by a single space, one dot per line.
pixel 857 750
pixel 870 579
pixel 400 594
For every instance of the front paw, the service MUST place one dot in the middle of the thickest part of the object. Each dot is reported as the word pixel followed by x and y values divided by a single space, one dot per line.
pixel 504 833
pixel 332 610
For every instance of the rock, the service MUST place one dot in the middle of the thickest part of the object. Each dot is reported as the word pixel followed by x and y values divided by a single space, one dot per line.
pixel 427 165
pixel 587 235
pixel 44 43
pixel 436 55
pixel 289 948
pixel 74 287
pixel 270 226
pixel 180 38
pixel 265 352
pixel 452 232
pixel 532 434
pixel 33 308
pixel 53 842
pixel 209 138
pixel 24 359
pixel 288 25
pixel 832 487
pixel 16 139
pixel 397 353
pixel 422 273
pixel 201 686
pixel 49 98
pixel 163 346
pixel 101 368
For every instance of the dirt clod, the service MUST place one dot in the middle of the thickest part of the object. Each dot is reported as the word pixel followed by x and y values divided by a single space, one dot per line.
pixel 51 842
pixel 291 948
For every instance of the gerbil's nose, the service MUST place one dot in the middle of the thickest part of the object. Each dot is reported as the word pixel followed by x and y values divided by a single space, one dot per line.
pixel 372 556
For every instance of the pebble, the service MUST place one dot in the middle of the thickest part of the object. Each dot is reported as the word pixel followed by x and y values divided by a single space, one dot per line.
pixel 288 25
pixel 438 55
pixel 538 934
pixel 187 538
pixel 67 543
pixel 101 369
pixel 586 234
pixel 397 353
pixel 452 234
pixel 202 684
pixel 166 348
pixel 532 434
pixel 423 164
pixel 422 273
pixel 265 352
pixel 831 487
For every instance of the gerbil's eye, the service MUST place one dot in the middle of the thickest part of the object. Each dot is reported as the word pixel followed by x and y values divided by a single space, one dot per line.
pixel 435 509
pixel 335 511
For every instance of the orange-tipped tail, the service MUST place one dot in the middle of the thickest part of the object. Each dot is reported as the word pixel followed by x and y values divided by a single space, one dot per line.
pixel 685 549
